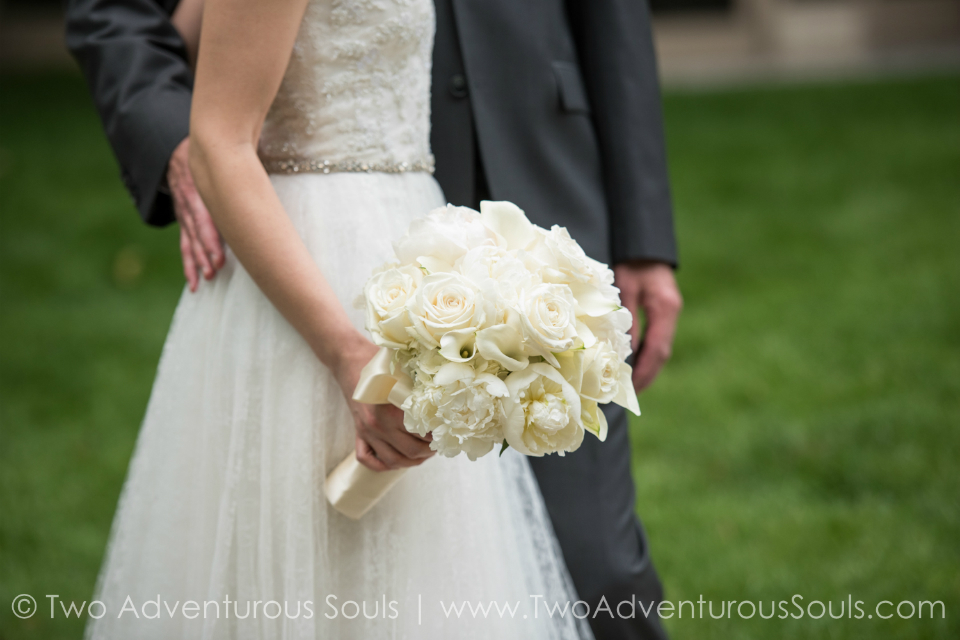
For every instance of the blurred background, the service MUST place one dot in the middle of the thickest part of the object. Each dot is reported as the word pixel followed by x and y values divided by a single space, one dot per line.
pixel 805 438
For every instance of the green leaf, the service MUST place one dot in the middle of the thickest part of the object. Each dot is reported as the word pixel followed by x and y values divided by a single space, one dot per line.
pixel 503 447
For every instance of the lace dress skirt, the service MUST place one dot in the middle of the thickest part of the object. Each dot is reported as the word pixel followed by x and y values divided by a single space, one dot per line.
pixel 223 531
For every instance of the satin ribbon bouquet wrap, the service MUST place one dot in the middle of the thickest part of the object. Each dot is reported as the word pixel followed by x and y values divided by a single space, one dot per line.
pixel 494 332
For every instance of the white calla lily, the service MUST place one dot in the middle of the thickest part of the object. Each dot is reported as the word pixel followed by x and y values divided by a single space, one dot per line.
pixel 626 396
pixel 493 385
pixel 459 346
pixel 586 335
pixel 593 418
pixel 504 343
pixel 591 301
pixel 571 367
pixel 509 221
pixel 453 372
pixel 434 265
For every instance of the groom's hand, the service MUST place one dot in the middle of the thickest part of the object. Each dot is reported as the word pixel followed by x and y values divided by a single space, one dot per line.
pixel 200 245
pixel 651 288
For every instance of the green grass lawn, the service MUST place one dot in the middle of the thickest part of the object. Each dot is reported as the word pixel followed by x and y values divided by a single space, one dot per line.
pixel 805 439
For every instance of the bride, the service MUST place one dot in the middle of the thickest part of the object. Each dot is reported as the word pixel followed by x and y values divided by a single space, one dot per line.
pixel 309 143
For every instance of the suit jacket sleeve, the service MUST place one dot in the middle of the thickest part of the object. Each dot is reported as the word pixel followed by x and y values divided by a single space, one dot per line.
pixel 136 67
pixel 615 50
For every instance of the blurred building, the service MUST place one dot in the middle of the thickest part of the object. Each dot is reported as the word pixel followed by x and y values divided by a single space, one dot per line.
pixel 722 40
pixel 699 41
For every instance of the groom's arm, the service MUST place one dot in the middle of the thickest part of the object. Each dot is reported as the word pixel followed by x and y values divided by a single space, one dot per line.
pixel 136 67
pixel 615 50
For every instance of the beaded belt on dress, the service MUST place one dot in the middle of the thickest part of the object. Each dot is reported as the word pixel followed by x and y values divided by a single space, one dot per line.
pixel 300 165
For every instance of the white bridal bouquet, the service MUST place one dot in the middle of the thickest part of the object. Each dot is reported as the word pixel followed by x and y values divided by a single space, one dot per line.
pixel 493 332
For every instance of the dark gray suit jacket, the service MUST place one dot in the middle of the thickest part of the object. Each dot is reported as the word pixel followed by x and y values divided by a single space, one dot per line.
pixel 135 64
pixel 562 102
pixel 558 100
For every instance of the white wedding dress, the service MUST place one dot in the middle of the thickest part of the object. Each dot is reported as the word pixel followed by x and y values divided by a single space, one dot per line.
pixel 223 504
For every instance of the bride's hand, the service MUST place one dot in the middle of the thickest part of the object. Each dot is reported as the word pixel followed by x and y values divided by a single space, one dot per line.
pixel 382 441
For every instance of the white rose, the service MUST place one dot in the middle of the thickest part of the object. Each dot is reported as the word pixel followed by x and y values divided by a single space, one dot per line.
pixel 563 261
pixel 498 273
pixel 446 311
pixel 437 240
pixel 599 376
pixel 542 414
pixel 549 320
pixel 611 327
pixel 386 295
pixel 461 408
pixel 601 373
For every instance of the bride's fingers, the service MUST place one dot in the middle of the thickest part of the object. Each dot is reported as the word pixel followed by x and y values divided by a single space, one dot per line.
pixel 389 413
pixel 410 445
pixel 366 456
pixel 381 427
pixel 391 457
pixel 390 428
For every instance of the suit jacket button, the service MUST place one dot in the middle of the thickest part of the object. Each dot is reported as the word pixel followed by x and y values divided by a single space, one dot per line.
pixel 458 86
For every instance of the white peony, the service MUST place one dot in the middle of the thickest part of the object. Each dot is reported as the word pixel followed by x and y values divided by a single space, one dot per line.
pixel 542 414
pixel 437 240
pixel 547 313
pixel 386 295
pixel 423 364
pixel 460 408
pixel 447 308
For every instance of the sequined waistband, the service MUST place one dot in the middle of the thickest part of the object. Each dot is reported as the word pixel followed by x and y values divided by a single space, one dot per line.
pixel 301 165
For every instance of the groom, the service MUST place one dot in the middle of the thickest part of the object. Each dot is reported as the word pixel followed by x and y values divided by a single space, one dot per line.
pixel 555 107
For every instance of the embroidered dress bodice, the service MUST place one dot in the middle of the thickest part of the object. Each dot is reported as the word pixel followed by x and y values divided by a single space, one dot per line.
pixel 356 92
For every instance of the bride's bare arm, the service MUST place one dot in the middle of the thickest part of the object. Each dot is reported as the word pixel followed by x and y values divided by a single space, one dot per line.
pixel 245 47
pixel 186 19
